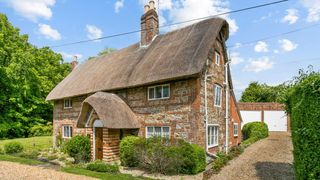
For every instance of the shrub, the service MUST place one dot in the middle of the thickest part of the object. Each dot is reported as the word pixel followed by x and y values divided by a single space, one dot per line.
pixel 303 105
pixel 78 147
pixel 235 151
pixel 100 166
pixel 13 147
pixel 1 151
pixel 41 130
pixel 29 154
pixel 221 160
pixel 254 131
pixel 159 155
pixel 128 154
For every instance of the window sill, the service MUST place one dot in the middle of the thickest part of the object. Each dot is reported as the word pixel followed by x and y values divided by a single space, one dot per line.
pixel 212 146
pixel 67 108
pixel 235 135
pixel 66 137
pixel 159 99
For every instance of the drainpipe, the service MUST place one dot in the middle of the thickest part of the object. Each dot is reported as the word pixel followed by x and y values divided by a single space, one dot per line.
pixel 227 105
pixel 206 76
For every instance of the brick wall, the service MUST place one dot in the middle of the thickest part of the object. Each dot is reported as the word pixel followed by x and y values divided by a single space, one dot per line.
pixel 268 106
pixel 234 118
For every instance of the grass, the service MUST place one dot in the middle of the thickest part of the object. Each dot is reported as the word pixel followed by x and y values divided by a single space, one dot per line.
pixel 32 143
pixel 100 175
pixel 4 157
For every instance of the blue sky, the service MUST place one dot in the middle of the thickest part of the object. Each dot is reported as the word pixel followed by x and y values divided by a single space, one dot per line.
pixel 272 61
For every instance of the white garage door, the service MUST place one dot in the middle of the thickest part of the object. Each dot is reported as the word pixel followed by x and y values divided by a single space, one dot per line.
pixel 250 116
pixel 276 120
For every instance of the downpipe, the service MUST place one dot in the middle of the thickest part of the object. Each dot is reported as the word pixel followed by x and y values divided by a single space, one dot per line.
pixel 227 106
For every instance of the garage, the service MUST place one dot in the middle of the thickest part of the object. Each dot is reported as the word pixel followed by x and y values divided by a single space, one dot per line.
pixel 273 114
pixel 250 116
pixel 276 120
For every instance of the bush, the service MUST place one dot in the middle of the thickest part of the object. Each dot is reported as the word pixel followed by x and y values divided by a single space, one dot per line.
pixel 253 132
pixel 13 147
pixel 303 105
pixel 29 154
pixel 128 154
pixel 235 151
pixel 100 166
pixel 1 151
pixel 78 147
pixel 221 160
pixel 41 130
pixel 159 155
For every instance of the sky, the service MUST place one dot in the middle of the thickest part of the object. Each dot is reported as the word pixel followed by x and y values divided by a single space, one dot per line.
pixel 253 56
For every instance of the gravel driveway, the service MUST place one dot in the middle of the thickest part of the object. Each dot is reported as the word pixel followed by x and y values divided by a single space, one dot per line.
pixel 270 158
pixel 15 171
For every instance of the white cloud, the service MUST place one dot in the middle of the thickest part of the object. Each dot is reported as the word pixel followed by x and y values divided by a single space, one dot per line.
pixel 33 9
pixel 287 45
pixel 276 51
pixel 237 45
pixel 49 32
pixel 261 46
pixel 118 5
pixel 93 32
pixel 164 4
pixel 292 16
pixel 184 10
pixel 313 7
pixel 261 64
pixel 235 58
pixel 70 56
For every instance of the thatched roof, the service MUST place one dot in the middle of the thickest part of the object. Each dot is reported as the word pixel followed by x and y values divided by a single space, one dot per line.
pixel 178 54
pixel 111 110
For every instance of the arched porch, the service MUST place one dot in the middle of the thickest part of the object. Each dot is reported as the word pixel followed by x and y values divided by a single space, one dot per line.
pixel 107 119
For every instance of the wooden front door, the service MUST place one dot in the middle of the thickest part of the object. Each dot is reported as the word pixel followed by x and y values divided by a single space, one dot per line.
pixel 99 143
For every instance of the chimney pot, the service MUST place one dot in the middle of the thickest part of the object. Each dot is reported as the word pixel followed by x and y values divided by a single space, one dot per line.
pixel 151 4
pixel 74 63
pixel 146 8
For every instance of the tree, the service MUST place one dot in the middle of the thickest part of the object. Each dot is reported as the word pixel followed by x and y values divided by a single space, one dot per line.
pixel 105 51
pixel 27 75
pixel 257 92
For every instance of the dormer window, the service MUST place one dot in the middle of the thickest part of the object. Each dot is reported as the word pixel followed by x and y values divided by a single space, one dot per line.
pixel 159 92
pixel 217 57
pixel 67 103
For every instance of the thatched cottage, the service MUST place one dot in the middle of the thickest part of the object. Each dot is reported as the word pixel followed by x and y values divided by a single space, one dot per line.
pixel 175 85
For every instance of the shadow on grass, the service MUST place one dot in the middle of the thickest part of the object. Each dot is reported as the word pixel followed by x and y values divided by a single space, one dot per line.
pixel 273 170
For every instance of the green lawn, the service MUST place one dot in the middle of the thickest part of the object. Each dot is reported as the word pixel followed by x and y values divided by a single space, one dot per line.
pixel 33 143
pixel 100 175
pixel 4 157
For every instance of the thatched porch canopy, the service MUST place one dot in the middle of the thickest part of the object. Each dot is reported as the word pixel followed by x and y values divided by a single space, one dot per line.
pixel 110 109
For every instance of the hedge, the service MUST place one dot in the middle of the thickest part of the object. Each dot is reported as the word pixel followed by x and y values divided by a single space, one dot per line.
pixel 100 166
pixel 13 147
pixel 160 155
pixel 303 105
pixel 254 131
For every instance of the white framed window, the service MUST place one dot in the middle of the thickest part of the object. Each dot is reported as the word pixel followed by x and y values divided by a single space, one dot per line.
pixel 217 95
pixel 67 131
pixel 159 92
pixel 162 131
pixel 235 129
pixel 67 103
pixel 213 134
pixel 217 57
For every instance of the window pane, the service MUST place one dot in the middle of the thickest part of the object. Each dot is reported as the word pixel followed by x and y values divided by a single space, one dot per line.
pixel 165 132
pixel 149 132
pixel 151 93
pixel 70 131
pixel 70 103
pixel 217 58
pixel 165 91
pixel 159 92
pixel 157 131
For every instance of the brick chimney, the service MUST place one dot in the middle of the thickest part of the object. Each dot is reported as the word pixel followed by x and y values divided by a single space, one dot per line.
pixel 74 63
pixel 149 24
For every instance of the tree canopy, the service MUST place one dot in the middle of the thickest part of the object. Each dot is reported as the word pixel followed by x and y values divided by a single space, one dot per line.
pixel 27 75
pixel 257 92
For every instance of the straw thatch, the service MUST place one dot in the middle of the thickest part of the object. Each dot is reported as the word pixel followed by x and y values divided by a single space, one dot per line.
pixel 175 55
pixel 111 110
